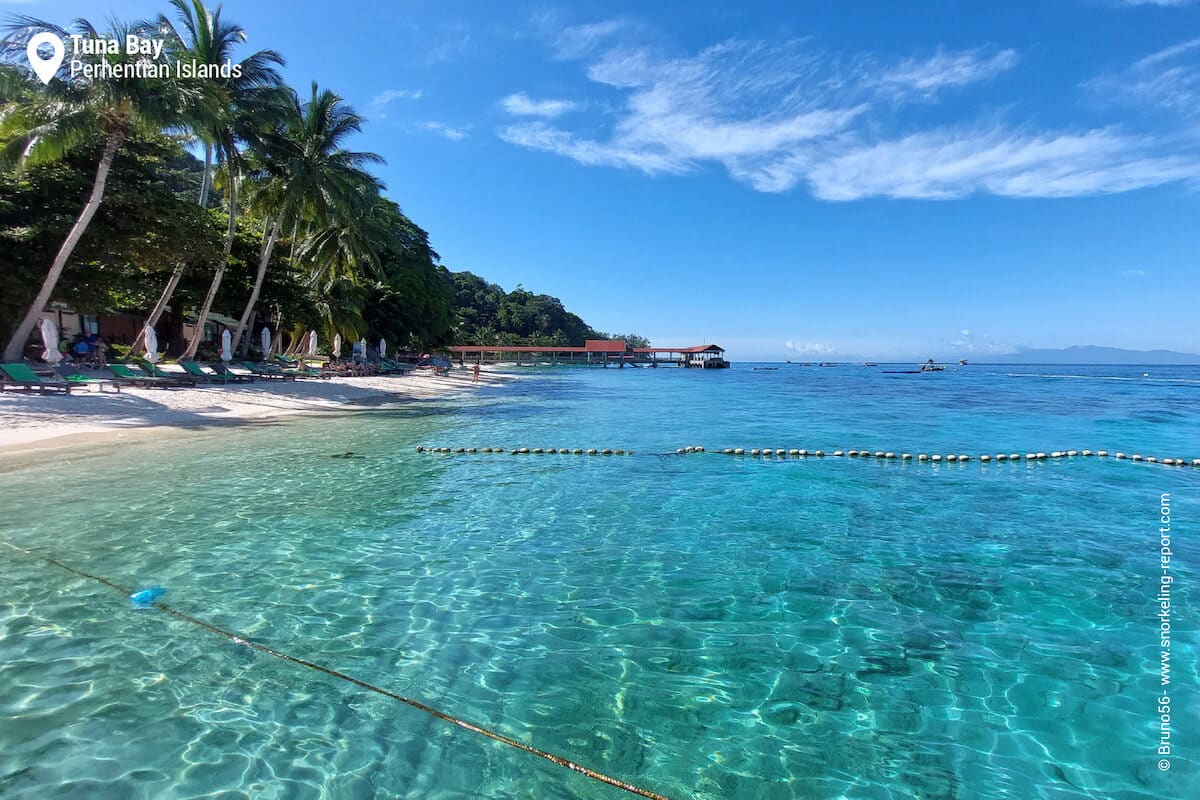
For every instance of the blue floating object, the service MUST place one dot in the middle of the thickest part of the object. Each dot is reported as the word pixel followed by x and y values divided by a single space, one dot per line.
pixel 144 598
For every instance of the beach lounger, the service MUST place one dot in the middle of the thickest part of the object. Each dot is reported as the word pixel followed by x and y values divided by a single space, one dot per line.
pixel 268 371
pixel 125 375
pixel 180 376
pixel 243 371
pixel 291 368
pixel 20 376
pixel 203 373
pixel 78 379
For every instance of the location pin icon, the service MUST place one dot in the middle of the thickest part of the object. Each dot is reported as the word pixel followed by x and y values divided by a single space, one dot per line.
pixel 45 67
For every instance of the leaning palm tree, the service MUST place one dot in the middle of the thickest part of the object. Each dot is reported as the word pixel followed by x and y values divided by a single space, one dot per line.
pixel 304 178
pixel 236 106
pixel 69 112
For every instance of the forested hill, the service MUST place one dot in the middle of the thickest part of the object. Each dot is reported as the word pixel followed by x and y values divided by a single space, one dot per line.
pixel 486 314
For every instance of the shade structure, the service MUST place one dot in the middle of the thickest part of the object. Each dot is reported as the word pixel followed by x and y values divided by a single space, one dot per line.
pixel 265 340
pixel 50 342
pixel 312 343
pixel 150 338
pixel 382 349
pixel 337 345
pixel 226 346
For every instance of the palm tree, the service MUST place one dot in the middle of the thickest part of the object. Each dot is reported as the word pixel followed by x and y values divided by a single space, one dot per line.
pixel 304 179
pixel 68 113
pixel 235 107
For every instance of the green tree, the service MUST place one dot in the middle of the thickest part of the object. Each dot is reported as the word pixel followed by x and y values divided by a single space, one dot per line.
pixel 304 177
pixel 39 124
pixel 206 39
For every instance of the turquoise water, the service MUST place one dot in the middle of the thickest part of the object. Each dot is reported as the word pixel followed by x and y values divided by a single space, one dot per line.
pixel 703 626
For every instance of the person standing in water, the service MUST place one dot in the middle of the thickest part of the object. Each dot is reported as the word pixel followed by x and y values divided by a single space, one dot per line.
pixel 475 374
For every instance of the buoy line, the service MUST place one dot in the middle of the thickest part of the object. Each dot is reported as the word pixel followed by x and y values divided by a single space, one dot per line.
pixel 470 726
pixel 791 453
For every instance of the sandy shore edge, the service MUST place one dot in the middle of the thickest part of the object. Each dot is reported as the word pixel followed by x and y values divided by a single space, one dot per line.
pixel 34 426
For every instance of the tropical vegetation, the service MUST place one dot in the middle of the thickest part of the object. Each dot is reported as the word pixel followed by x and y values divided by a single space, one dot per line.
pixel 106 206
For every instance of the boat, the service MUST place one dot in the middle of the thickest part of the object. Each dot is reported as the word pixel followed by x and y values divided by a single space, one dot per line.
pixel 870 364
pixel 828 364
pixel 962 362
pixel 929 366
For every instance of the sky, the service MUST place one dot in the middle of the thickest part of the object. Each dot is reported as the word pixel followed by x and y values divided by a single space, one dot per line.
pixel 790 180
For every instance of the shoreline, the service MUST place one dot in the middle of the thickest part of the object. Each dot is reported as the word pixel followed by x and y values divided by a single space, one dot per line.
pixel 34 426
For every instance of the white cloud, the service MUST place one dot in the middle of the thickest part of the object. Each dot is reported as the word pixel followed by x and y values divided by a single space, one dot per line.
pixel 381 101
pixel 522 105
pixel 445 131
pixel 577 41
pixel 810 348
pixel 947 69
pixel 1133 273
pixel 1167 80
pixel 775 116
pixel 952 162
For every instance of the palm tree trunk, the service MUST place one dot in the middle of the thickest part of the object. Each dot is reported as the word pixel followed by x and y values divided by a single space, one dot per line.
pixel 202 318
pixel 16 345
pixel 160 306
pixel 263 259
pixel 206 181
pixel 181 267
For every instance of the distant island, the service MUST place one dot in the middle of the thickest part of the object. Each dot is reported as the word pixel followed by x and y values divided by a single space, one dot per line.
pixel 1091 354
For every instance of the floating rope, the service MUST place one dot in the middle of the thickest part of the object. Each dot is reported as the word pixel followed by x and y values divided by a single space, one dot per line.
pixel 769 453
pixel 470 726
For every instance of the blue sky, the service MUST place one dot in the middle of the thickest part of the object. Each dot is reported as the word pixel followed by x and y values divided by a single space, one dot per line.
pixel 790 180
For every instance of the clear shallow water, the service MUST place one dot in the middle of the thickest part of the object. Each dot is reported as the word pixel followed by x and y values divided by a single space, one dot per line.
pixel 702 626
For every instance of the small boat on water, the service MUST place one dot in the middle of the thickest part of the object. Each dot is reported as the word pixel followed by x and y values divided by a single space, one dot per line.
pixel 962 362
pixel 828 364
pixel 870 364
pixel 928 366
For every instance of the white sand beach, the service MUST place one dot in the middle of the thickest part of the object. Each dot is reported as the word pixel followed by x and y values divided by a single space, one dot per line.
pixel 31 422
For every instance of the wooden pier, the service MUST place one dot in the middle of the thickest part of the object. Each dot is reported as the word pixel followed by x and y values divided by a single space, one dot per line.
pixel 594 353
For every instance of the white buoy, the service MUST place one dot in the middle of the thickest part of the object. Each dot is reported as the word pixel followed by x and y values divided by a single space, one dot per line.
pixel 819 453
pixel 1072 453
pixel 852 453
pixel 1196 462
pixel 753 451
pixel 889 455
pixel 935 457
pixel 739 451
pixel 1086 453
pixel 906 456
pixel 922 457
pixel 1168 461
pixel 1135 457
pixel 1119 456
pixel 1151 460
pixel 592 451
pixel 472 450
pixel 1001 456
pixel 1014 456
pixel 1041 455
pixel 985 458
pixel 838 453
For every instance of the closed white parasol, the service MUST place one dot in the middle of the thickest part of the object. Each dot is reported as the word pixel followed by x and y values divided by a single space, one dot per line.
pixel 265 340
pixel 226 346
pixel 150 339
pixel 312 343
pixel 382 349
pixel 337 345
pixel 50 342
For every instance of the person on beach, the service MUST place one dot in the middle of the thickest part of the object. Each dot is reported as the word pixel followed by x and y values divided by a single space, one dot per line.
pixel 475 374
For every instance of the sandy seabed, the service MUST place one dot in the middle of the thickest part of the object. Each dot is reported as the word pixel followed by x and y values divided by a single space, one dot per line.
pixel 31 423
